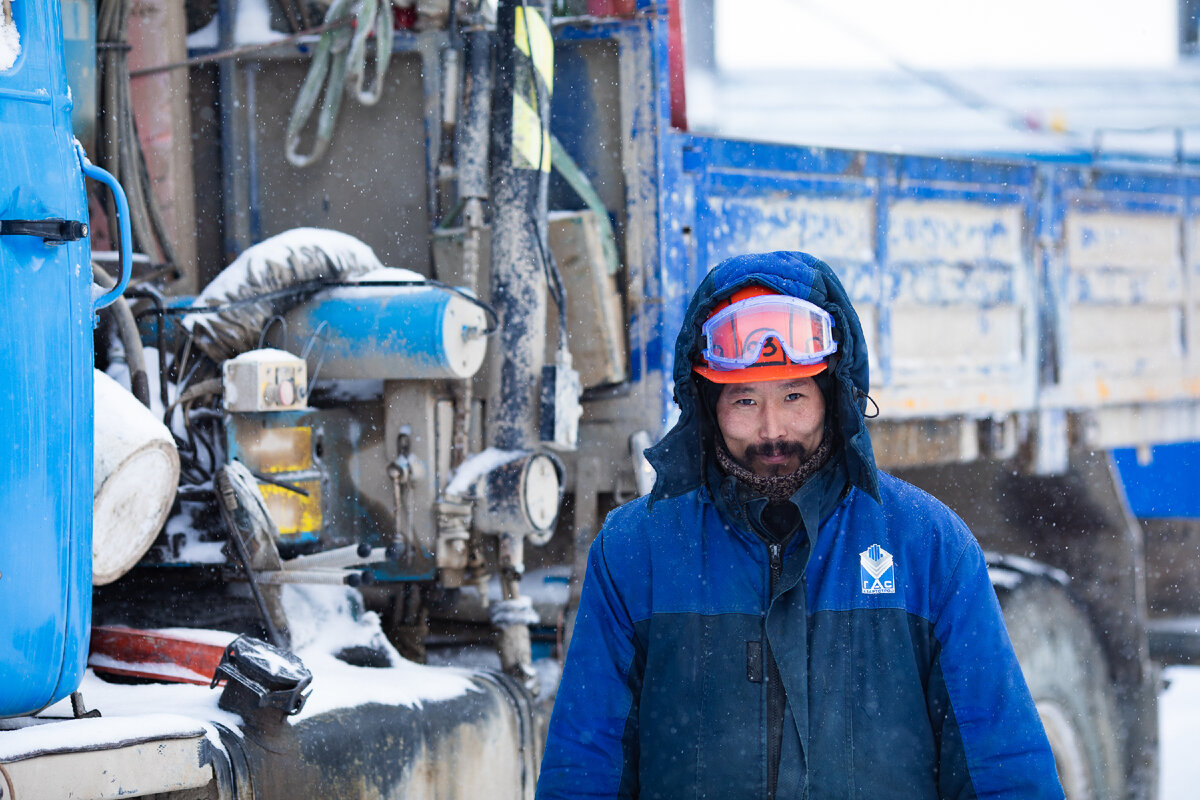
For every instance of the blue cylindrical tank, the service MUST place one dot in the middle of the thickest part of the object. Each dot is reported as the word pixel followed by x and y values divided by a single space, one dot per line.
pixel 397 333
pixel 45 379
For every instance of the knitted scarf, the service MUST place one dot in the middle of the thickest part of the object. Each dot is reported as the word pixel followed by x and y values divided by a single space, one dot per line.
pixel 776 488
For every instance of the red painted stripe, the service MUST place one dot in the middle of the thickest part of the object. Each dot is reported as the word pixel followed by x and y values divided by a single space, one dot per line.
pixel 138 651
pixel 675 65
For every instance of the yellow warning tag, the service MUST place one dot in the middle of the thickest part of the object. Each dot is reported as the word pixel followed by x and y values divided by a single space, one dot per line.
pixel 530 142
pixel 536 42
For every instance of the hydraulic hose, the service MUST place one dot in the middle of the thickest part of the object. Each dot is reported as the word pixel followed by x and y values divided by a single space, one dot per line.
pixel 131 340
pixel 120 149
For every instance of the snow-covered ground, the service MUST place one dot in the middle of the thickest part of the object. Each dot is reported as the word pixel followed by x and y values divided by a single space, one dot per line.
pixel 1179 732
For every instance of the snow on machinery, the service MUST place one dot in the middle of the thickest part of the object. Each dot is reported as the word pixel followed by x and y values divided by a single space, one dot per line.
pixel 394 407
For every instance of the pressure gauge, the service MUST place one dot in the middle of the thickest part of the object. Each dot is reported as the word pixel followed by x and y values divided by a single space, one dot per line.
pixel 540 490
pixel 519 496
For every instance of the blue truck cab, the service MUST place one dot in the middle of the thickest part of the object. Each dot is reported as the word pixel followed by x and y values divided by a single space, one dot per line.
pixel 46 401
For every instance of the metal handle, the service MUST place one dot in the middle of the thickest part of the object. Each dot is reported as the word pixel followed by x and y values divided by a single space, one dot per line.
pixel 50 231
pixel 105 177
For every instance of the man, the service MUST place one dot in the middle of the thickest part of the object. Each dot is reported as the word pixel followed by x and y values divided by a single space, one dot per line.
pixel 778 618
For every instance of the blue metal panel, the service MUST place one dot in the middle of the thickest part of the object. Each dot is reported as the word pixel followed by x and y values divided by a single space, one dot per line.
pixel 777 159
pixel 1127 190
pixel 1165 486
pixel 1123 249
pixel 883 351
pixel 46 384
pixel 849 208
pixel 673 279
pixel 1050 281
pixel 966 177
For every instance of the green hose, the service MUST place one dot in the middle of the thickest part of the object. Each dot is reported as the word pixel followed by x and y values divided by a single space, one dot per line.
pixel 343 73
pixel 578 181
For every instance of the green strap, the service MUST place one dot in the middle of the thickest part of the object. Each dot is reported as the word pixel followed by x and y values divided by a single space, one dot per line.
pixel 336 74
pixel 574 176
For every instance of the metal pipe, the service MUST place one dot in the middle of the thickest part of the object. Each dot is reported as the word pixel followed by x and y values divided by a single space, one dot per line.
pixel 471 159
pixel 310 577
pixel 472 133
pixel 275 45
pixel 520 133
pixel 252 175
pixel 520 173
pixel 233 132
pixel 338 558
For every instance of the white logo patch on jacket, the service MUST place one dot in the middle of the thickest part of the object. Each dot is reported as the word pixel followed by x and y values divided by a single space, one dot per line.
pixel 878 574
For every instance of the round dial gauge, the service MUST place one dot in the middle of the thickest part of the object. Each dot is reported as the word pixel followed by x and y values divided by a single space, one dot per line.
pixel 540 490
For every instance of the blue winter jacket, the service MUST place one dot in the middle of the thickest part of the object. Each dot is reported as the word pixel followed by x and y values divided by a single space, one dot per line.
pixel 898 678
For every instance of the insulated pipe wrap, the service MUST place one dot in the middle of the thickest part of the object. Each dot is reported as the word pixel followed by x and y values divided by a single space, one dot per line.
pixel 136 469
pixel 293 259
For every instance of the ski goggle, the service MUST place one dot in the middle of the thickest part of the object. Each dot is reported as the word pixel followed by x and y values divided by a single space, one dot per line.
pixel 745 333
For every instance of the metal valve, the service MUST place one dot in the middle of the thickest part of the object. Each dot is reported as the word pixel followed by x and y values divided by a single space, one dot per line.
pixel 404 471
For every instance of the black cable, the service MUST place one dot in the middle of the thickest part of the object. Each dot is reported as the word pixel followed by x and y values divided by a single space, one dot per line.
pixel 203 456
pixel 557 289
pixel 276 294
pixel 186 412
pixel 197 438
pixel 209 448
pixel 227 503
pixel 190 467
pixel 191 439
pixel 312 340
pixel 493 317
pixel 185 381
pixel 314 286
pixel 262 336
pixel 158 308
pixel 282 484
pixel 181 356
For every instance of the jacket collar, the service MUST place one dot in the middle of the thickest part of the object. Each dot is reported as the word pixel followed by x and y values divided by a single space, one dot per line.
pixel 816 500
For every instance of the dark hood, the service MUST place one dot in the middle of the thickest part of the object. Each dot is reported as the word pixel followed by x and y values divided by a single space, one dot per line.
pixel 679 458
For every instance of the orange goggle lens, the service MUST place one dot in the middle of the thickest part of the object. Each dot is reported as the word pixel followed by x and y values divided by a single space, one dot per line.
pixel 746 332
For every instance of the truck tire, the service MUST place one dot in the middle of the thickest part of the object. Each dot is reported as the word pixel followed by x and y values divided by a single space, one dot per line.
pixel 1068 677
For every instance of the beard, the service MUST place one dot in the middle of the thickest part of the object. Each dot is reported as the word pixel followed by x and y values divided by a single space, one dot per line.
pixel 789 450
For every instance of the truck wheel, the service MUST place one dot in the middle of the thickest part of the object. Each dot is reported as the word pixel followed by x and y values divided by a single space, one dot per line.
pixel 1068 677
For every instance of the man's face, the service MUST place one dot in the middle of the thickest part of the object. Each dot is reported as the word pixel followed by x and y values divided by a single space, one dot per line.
pixel 771 427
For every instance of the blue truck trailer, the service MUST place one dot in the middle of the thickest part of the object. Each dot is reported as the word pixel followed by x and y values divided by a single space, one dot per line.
pixel 430 342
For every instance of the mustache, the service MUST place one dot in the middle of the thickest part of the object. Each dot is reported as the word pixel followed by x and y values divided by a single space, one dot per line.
pixel 772 449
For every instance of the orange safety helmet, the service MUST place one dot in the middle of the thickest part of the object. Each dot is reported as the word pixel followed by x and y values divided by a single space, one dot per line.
pixel 762 335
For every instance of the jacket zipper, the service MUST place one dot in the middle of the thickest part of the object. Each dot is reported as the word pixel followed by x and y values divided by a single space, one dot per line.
pixel 776 552
pixel 775 697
